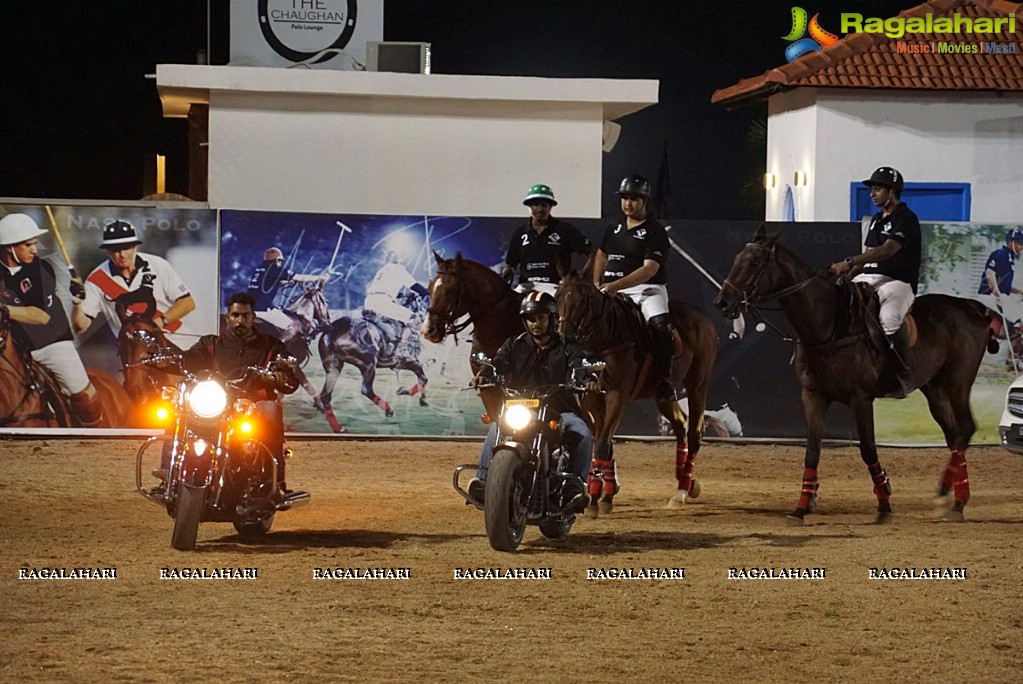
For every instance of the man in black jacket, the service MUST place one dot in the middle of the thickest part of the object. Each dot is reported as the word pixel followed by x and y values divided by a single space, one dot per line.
pixel 240 345
pixel 541 357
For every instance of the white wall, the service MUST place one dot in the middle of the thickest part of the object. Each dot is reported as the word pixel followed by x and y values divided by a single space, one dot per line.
pixel 363 142
pixel 791 147
pixel 974 138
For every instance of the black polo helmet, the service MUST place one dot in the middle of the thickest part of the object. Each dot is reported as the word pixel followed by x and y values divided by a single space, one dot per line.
pixel 635 184
pixel 886 176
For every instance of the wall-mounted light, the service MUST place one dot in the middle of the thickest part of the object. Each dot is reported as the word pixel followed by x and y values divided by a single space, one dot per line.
pixel 800 178
pixel 161 173
pixel 770 180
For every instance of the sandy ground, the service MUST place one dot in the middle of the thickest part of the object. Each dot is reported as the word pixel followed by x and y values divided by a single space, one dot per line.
pixel 390 505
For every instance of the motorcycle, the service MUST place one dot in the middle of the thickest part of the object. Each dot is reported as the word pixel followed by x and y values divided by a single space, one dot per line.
pixel 528 478
pixel 217 469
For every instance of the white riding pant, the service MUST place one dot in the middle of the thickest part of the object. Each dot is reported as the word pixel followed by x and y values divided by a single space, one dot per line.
pixel 62 359
pixel 652 299
pixel 896 297
pixel 385 306
pixel 549 288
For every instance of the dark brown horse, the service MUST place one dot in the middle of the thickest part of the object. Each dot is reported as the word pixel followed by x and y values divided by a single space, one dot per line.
pixel 613 328
pixel 840 357
pixel 467 289
pixel 362 342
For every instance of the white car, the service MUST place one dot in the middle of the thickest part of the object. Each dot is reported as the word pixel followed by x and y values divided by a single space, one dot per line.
pixel 1010 427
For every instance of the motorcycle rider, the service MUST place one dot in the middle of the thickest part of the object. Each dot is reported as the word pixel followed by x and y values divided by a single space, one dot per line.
pixel 240 345
pixel 537 358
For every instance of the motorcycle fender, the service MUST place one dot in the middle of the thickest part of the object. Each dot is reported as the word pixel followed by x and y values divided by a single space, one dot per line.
pixel 519 448
pixel 195 470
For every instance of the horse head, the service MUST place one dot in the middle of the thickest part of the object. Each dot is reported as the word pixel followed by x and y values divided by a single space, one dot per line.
pixel 578 302
pixel 139 338
pixel 754 275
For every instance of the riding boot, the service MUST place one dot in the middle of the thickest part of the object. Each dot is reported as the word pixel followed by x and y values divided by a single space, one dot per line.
pixel 898 343
pixel 88 407
pixel 662 338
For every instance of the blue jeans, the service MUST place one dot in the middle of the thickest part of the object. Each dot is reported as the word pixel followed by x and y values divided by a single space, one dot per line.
pixel 577 438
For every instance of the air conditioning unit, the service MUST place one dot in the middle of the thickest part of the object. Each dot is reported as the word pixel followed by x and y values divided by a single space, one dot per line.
pixel 407 58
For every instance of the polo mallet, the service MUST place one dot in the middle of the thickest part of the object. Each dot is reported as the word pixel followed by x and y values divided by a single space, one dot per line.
pixel 739 326
pixel 60 243
pixel 1008 335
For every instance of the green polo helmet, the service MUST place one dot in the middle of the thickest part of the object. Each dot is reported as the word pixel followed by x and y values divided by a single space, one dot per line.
pixel 540 192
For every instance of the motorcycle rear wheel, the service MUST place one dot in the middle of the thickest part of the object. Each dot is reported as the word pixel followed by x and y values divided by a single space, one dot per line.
pixel 504 507
pixel 256 528
pixel 187 514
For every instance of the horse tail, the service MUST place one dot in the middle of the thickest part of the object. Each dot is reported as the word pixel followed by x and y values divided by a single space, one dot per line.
pixel 993 322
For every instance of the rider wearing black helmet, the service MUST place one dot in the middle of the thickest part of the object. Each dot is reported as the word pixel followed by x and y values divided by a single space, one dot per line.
pixel 539 357
pixel 890 265
pixel 631 260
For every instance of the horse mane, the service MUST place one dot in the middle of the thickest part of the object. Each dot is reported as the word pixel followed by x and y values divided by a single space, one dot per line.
pixel 622 317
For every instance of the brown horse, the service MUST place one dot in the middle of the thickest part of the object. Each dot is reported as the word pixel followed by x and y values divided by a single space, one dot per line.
pixel 463 287
pixel 28 396
pixel 840 357
pixel 613 328
pixel 31 397
pixel 143 383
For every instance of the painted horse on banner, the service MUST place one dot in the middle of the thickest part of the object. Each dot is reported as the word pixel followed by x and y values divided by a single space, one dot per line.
pixel 296 325
pixel 613 328
pixel 841 356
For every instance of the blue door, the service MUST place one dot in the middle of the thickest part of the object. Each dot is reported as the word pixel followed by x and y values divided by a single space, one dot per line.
pixel 929 201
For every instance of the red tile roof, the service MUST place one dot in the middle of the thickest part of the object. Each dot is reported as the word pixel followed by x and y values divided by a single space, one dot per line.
pixel 872 60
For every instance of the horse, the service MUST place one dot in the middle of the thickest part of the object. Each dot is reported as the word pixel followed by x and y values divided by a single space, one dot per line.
pixel 463 287
pixel 613 328
pixel 841 355
pixel 31 397
pixel 28 396
pixel 307 315
pixel 363 343
pixel 143 383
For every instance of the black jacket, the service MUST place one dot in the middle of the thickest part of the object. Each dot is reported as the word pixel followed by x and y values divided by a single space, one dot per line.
pixel 525 365
pixel 226 353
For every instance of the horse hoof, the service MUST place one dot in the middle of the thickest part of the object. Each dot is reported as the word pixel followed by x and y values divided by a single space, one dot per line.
pixel 695 489
pixel 677 501
pixel 340 430
pixel 604 507
pixel 403 392
pixel 793 520
pixel 954 515
pixel 883 518
pixel 593 511
pixel 944 501
pixel 423 402
pixel 389 413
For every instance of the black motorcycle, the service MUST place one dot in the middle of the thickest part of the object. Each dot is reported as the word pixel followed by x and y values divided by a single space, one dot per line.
pixel 214 466
pixel 528 479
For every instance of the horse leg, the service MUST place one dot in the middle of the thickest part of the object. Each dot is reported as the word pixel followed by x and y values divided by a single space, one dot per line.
pixel 683 459
pixel 815 408
pixel 863 410
pixel 604 458
pixel 369 374
pixel 955 480
pixel 420 386
pixel 332 370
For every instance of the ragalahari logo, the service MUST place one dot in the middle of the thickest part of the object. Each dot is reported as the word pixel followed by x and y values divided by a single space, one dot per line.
pixel 819 37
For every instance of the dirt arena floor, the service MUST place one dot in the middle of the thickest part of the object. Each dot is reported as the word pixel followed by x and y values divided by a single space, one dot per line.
pixel 70 503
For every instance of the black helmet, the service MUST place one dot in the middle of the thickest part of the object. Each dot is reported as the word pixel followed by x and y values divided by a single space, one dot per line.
pixel 635 184
pixel 538 302
pixel 886 176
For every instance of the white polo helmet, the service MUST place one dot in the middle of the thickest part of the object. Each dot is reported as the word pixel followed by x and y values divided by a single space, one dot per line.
pixel 16 228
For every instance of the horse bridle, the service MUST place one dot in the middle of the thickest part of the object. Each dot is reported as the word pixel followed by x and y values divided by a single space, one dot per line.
pixel 448 318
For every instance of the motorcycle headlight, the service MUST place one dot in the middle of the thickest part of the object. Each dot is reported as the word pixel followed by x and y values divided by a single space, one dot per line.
pixel 207 399
pixel 517 417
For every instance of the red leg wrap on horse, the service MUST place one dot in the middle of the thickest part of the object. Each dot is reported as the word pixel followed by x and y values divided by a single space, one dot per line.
pixel 809 488
pixel 610 477
pixel 382 404
pixel 332 420
pixel 683 466
pixel 882 487
pixel 960 477
pixel 596 481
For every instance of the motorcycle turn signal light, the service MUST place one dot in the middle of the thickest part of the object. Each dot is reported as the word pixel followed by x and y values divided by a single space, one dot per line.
pixel 486 419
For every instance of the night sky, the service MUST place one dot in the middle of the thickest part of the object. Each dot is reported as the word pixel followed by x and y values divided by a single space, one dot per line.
pixel 80 118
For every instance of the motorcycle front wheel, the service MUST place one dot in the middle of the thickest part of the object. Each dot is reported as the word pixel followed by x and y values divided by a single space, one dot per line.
pixel 504 505
pixel 187 514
